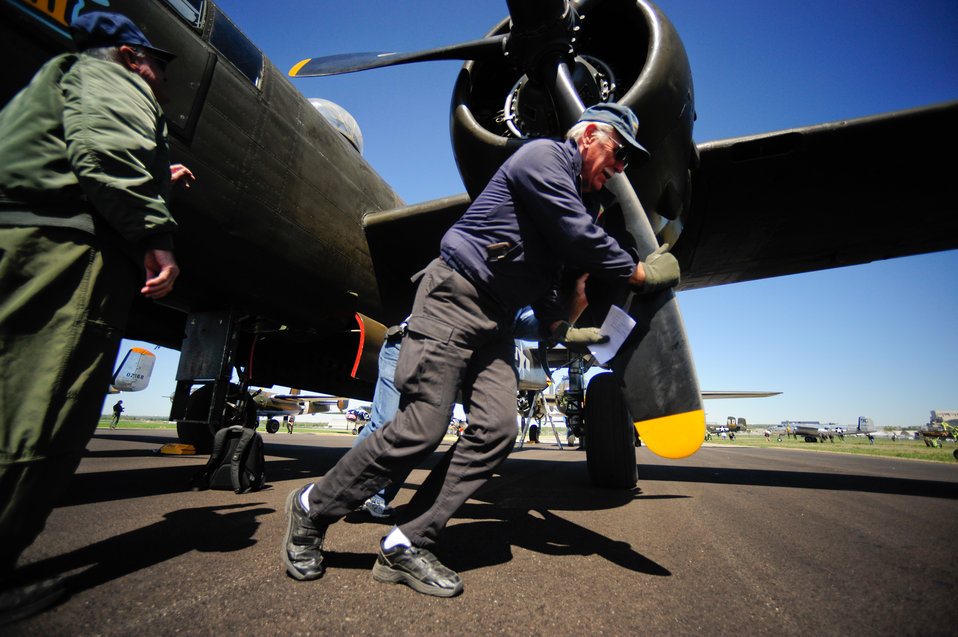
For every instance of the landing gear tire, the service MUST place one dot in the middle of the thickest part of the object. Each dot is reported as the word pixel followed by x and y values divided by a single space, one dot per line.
pixel 272 426
pixel 195 431
pixel 610 452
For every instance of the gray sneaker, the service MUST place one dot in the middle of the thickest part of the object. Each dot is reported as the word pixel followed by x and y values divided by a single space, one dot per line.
pixel 417 568
pixel 376 506
pixel 303 546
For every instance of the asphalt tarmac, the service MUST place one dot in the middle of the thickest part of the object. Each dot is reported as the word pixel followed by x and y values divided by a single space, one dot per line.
pixel 731 541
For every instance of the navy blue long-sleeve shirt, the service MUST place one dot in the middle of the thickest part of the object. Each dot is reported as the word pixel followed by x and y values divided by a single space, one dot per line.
pixel 534 206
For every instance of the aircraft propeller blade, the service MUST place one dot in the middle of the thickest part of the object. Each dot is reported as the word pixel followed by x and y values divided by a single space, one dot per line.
pixel 655 363
pixel 352 62
pixel 526 17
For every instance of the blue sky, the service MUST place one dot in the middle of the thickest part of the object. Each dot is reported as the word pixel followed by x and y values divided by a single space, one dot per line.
pixel 876 340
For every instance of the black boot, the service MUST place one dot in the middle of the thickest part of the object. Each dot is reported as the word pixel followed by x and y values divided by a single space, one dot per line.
pixel 303 548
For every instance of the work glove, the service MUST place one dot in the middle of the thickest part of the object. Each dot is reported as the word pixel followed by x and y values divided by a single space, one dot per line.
pixel 577 339
pixel 661 270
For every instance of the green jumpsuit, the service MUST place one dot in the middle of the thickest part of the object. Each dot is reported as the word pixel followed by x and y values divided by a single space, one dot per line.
pixel 84 174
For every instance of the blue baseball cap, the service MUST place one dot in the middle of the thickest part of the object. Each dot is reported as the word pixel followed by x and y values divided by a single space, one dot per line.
pixel 622 119
pixel 101 28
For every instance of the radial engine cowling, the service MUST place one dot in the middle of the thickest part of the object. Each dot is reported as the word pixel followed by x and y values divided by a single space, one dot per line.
pixel 626 52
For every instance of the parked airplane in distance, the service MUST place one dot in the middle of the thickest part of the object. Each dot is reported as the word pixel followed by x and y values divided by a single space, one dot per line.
pixel 814 431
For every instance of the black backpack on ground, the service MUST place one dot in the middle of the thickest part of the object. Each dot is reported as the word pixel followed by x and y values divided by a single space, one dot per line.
pixel 237 462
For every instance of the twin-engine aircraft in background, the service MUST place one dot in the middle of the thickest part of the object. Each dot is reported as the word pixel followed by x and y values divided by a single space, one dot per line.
pixel 278 175
pixel 814 431
pixel 272 405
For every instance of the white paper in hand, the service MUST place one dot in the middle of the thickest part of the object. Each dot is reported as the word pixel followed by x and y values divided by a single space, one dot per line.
pixel 617 326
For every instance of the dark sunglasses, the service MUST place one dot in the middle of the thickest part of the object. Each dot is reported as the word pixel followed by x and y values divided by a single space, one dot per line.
pixel 621 152
pixel 160 63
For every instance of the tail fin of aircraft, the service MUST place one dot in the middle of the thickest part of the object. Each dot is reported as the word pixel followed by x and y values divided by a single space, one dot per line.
pixel 865 425
pixel 134 372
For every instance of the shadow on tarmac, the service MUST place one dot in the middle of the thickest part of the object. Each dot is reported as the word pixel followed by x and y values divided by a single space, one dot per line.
pixel 284 462
pixel 215 529
pixel 299 463
pixel 518 508
pixel 801 480
pixel 496 530
pixel 539 530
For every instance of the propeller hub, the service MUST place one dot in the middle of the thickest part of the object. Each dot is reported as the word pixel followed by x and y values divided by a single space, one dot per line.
pixel 539 39
pixel 530 112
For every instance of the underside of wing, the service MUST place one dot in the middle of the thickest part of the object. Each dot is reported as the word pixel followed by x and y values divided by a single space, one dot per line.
pixel 402 242
pixel 823 196
pixel 711 395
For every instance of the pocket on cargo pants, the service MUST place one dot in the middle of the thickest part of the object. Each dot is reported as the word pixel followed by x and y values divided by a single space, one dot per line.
pixel 429 364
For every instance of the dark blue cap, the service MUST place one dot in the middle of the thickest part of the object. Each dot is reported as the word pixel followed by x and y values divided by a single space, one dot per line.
pixel 101 28
pixel 622 119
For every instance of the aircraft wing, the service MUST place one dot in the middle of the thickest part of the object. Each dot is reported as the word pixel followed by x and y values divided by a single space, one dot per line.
pixel 823 196
pixel 303 398
pixel 786 202
pixel 296 403
pixel 402 241
pixel 278 411
pixel 531 376
pixel 709 395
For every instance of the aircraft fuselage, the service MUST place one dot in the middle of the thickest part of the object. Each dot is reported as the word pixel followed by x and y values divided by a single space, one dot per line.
pixel 279 197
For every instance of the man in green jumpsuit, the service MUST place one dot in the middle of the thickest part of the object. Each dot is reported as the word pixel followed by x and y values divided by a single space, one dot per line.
pixel 84 176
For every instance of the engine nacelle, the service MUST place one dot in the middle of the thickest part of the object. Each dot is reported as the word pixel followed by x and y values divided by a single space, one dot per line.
pixel 627 52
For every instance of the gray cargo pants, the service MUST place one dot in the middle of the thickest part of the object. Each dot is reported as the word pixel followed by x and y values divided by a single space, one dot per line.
pixel 457 339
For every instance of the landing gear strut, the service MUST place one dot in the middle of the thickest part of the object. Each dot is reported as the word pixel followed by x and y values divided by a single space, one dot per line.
pixel 207 356
pixel 574 398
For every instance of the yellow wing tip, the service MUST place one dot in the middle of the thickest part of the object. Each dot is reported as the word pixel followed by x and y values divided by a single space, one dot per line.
pixel 293 71
pixel 676 436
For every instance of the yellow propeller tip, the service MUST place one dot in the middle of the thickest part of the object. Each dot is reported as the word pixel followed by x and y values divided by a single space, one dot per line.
pixel 293 71
pixel 676 436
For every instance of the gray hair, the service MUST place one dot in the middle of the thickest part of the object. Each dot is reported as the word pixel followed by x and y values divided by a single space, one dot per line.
pixel 112 53
pixel 108 53
pixel 578 129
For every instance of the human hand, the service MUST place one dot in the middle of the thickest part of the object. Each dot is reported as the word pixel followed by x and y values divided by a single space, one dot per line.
pixel 180 175
pixel 577 339
pixel 661 270
pixel 161 272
